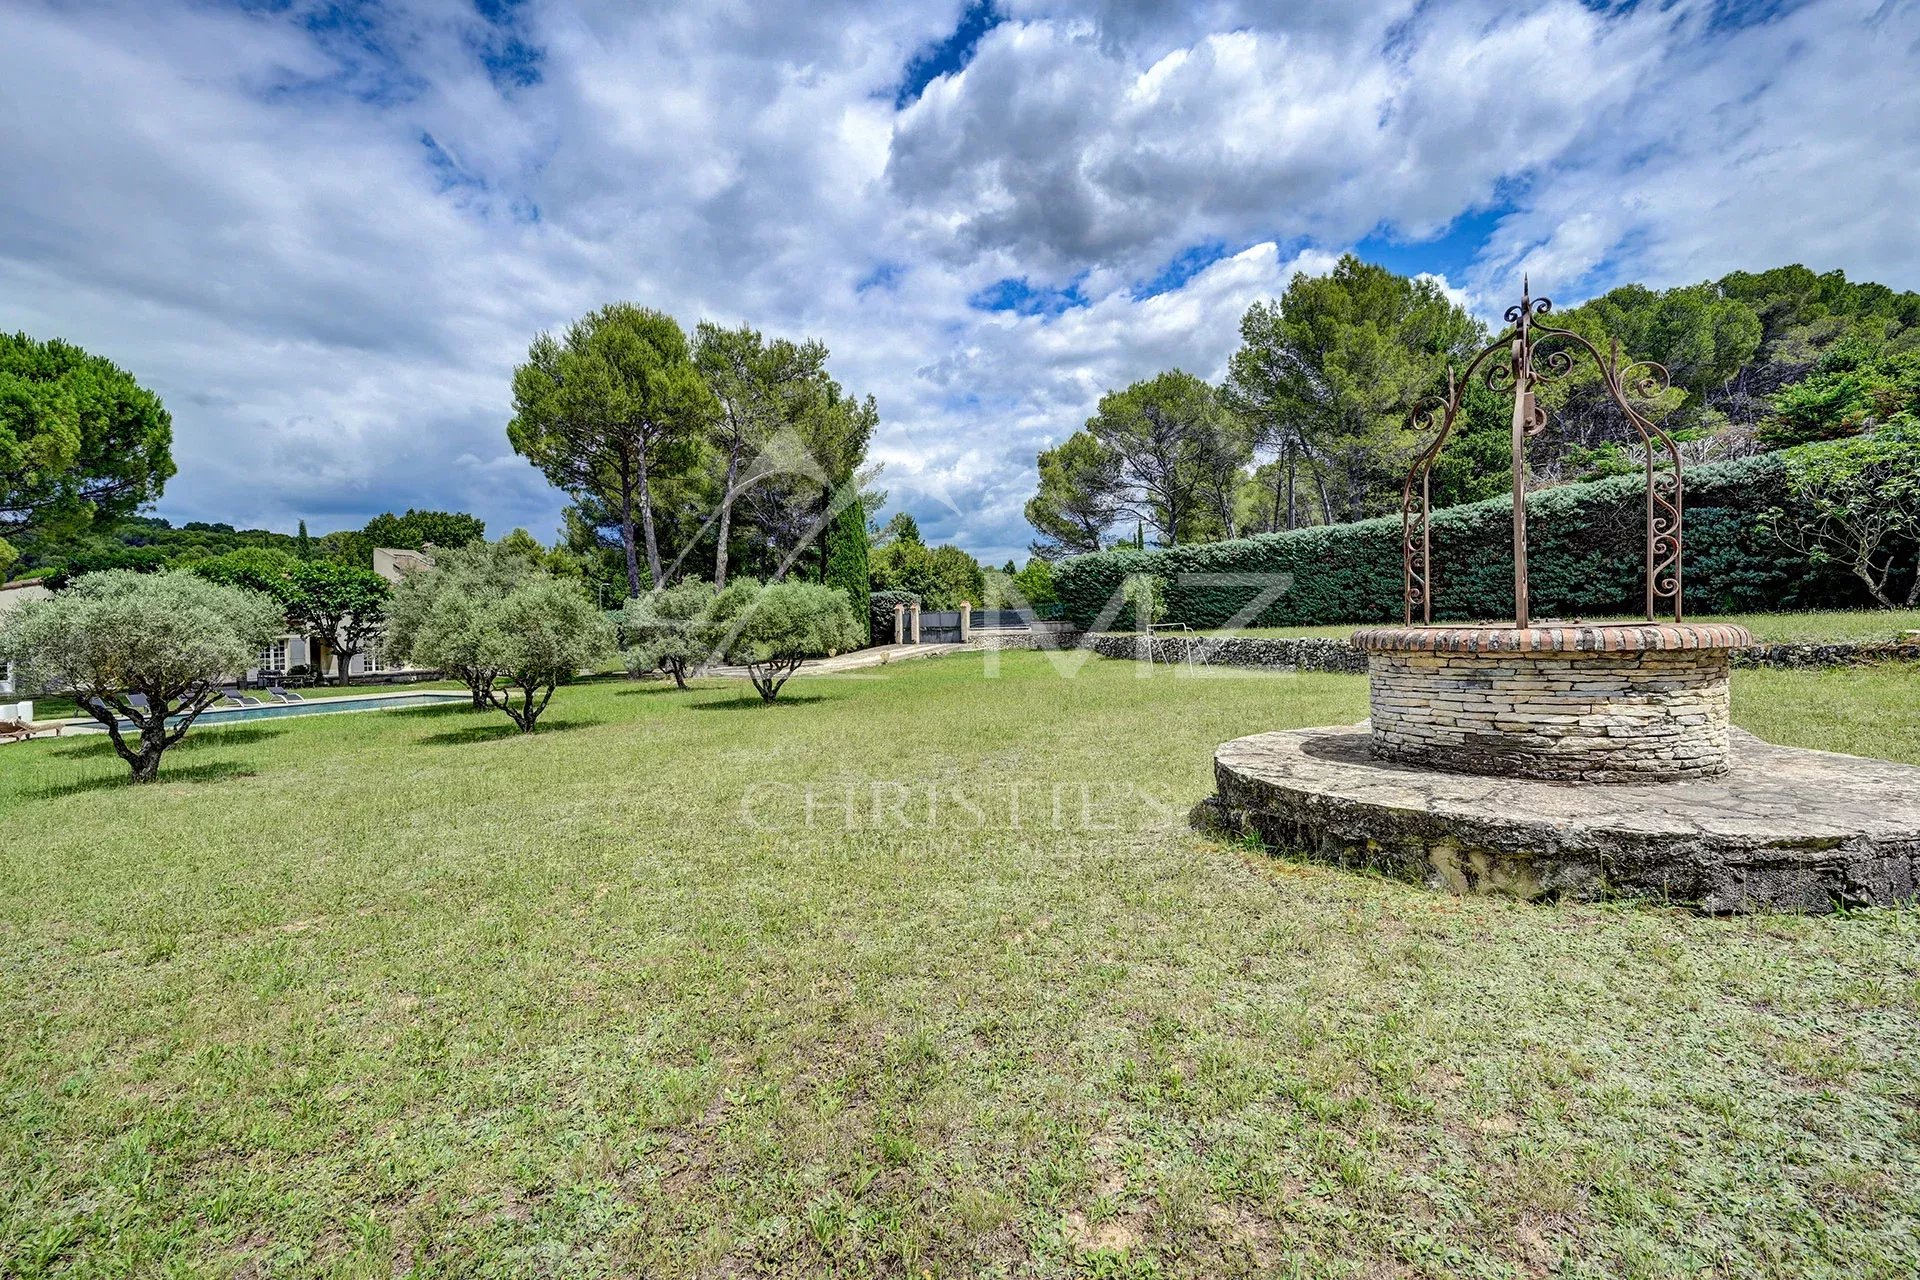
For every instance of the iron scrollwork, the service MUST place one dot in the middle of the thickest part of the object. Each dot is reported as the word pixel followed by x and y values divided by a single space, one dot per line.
pixel 1526 354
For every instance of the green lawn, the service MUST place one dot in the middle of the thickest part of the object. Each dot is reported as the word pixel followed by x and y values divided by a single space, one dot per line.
pixel 1855 625
pixel 407 993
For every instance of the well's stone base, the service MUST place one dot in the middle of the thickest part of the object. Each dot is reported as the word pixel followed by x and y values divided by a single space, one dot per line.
pixel 1783 829
pixel 1611 703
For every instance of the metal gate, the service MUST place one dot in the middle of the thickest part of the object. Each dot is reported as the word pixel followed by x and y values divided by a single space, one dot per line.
pixel 940 626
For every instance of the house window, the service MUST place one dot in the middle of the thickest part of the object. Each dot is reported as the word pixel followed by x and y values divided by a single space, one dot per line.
pixel 273 659
pixel 370 660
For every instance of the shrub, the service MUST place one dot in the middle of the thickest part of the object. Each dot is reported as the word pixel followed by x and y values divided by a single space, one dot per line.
pixel 770 630
pixel 170 638
pixel 1586 556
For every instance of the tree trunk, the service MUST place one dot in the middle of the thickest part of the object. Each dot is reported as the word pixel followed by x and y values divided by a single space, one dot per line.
pixel 1326 500
pixel 153 740
pixel 1293 463
pixel 146 761
pixel 646 526
pixel 1877 588
pixel 626 537
pixel 768 678
pixel 726 524
pixel 527 714
pixel 1279 500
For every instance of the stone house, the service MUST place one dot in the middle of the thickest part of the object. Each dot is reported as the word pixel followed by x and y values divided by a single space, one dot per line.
pixel 12 596
pixel 299 649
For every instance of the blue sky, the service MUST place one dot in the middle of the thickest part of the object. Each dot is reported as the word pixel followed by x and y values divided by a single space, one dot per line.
pixel 325 232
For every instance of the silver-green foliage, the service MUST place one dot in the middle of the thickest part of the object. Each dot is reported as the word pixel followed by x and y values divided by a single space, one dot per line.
pixel 170 638
pixel 434 618
pixel 771 630
pixel 534 638
pixel 663 626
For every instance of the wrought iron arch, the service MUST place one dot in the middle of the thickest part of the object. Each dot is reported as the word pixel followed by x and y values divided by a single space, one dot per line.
pixel 1518 365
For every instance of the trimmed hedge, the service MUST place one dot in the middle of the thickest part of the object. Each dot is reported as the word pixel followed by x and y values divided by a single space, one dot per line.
pixel 1586 556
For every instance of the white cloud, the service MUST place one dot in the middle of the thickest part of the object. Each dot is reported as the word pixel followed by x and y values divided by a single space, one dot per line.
pixel 1064 152
pixel 1792 141
pixel 326 234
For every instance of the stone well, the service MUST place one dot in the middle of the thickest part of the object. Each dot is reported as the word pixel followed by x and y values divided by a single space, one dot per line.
pixel 1469 777
pixel 1471 772
pixel 1576 703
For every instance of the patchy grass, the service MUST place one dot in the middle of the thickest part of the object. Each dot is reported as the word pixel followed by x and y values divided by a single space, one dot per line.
pixel 1862 626
pixel 392 994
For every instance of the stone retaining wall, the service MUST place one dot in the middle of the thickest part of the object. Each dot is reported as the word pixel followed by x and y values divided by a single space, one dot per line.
pixel 1231 651
pixel 1339 655
pixel 1009 640
pixel 1564 715
pixel 1802 656
pixel 1037 635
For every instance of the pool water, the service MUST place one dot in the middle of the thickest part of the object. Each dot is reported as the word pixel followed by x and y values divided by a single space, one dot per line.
pixel 278 710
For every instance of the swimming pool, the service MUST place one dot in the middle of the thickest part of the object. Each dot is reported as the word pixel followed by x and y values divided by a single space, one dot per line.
pixel 321 707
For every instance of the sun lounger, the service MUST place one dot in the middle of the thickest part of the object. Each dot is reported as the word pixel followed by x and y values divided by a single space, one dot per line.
pixel 21 729
pixel 280 694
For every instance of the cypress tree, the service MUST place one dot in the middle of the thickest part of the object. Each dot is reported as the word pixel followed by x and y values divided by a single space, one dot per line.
pixel 846 562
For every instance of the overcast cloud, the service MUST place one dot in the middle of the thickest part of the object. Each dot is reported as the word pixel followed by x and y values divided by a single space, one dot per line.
pixel 325 232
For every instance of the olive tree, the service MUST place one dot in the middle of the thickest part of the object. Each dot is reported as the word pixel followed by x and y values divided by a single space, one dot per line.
pixel 771 630
pixel 665 631
pixel 433 615
pixel 534 638
pixel 150 650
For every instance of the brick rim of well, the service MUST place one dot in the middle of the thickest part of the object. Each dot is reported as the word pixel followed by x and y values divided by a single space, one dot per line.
pixel 1586 638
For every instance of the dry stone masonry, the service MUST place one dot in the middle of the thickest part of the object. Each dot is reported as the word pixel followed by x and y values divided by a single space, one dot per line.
pixel 1461 779
pixel 1574 703
pixel 1781 830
